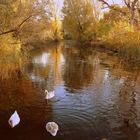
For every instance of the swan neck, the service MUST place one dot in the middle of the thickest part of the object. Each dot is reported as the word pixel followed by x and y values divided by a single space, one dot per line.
pixel 47 92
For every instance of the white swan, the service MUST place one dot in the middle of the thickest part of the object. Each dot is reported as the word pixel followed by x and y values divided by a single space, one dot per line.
pixel 52 128
pixel 14 119
pixel 49 95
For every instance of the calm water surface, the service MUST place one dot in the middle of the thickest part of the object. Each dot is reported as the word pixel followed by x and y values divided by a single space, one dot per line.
pixel 94 99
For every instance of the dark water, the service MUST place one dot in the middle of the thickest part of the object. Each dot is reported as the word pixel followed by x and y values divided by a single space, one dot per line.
pixel 94 99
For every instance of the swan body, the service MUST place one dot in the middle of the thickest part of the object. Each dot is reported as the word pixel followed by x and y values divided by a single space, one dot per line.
pixel 14 119
pixel 49 95
pixel 52 128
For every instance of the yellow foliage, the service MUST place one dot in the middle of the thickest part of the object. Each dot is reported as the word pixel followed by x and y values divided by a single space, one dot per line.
pixel 127 41
pixel 79 20
pixel 119 28
pixel 55 32
pixel 10 56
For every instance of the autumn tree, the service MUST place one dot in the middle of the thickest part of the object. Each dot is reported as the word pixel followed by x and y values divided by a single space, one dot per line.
pixel 116 15
pixel 55 27
pixel 18 12
pixel 79 19
pixel 134 8
pixel 132 5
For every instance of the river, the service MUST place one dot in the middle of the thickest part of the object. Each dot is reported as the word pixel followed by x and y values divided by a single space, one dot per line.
pixel 97 96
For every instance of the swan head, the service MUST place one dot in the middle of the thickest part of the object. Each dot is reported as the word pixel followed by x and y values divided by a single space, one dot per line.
pixel 11 123
pixel 46 91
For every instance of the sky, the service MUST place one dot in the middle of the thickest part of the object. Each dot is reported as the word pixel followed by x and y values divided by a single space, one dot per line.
pixel 60 3
pixel 115 1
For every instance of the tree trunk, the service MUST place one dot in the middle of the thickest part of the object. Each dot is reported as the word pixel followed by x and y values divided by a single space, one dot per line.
pixel 132 18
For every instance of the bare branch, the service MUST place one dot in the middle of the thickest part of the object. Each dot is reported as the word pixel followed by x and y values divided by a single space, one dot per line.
pixel 105 3
pixel 7 32
pixel 112 7
pixel 20 25
pixel 127 3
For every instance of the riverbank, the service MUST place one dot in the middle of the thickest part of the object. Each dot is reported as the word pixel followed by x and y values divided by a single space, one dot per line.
pixel 128 52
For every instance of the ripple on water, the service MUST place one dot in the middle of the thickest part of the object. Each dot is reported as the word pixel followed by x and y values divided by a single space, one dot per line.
pixel 87 104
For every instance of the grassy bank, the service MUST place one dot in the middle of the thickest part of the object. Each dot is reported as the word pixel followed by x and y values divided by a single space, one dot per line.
pixel 126 46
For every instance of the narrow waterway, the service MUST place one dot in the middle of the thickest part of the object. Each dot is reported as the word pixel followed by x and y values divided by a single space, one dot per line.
pixel 97 96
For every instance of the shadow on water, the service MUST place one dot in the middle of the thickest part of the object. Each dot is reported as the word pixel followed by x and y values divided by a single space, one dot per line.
pixel 96 96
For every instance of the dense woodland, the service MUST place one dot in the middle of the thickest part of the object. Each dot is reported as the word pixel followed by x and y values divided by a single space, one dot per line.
pixel 24 22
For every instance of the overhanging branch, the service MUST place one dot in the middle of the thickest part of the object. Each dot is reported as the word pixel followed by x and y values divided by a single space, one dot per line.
pixel 18 26
pixel 112 7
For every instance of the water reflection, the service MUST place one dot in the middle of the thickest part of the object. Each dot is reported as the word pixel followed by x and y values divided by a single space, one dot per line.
pixel 51 62
pixel 42 59
pixel 79 69
pixel 94 96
